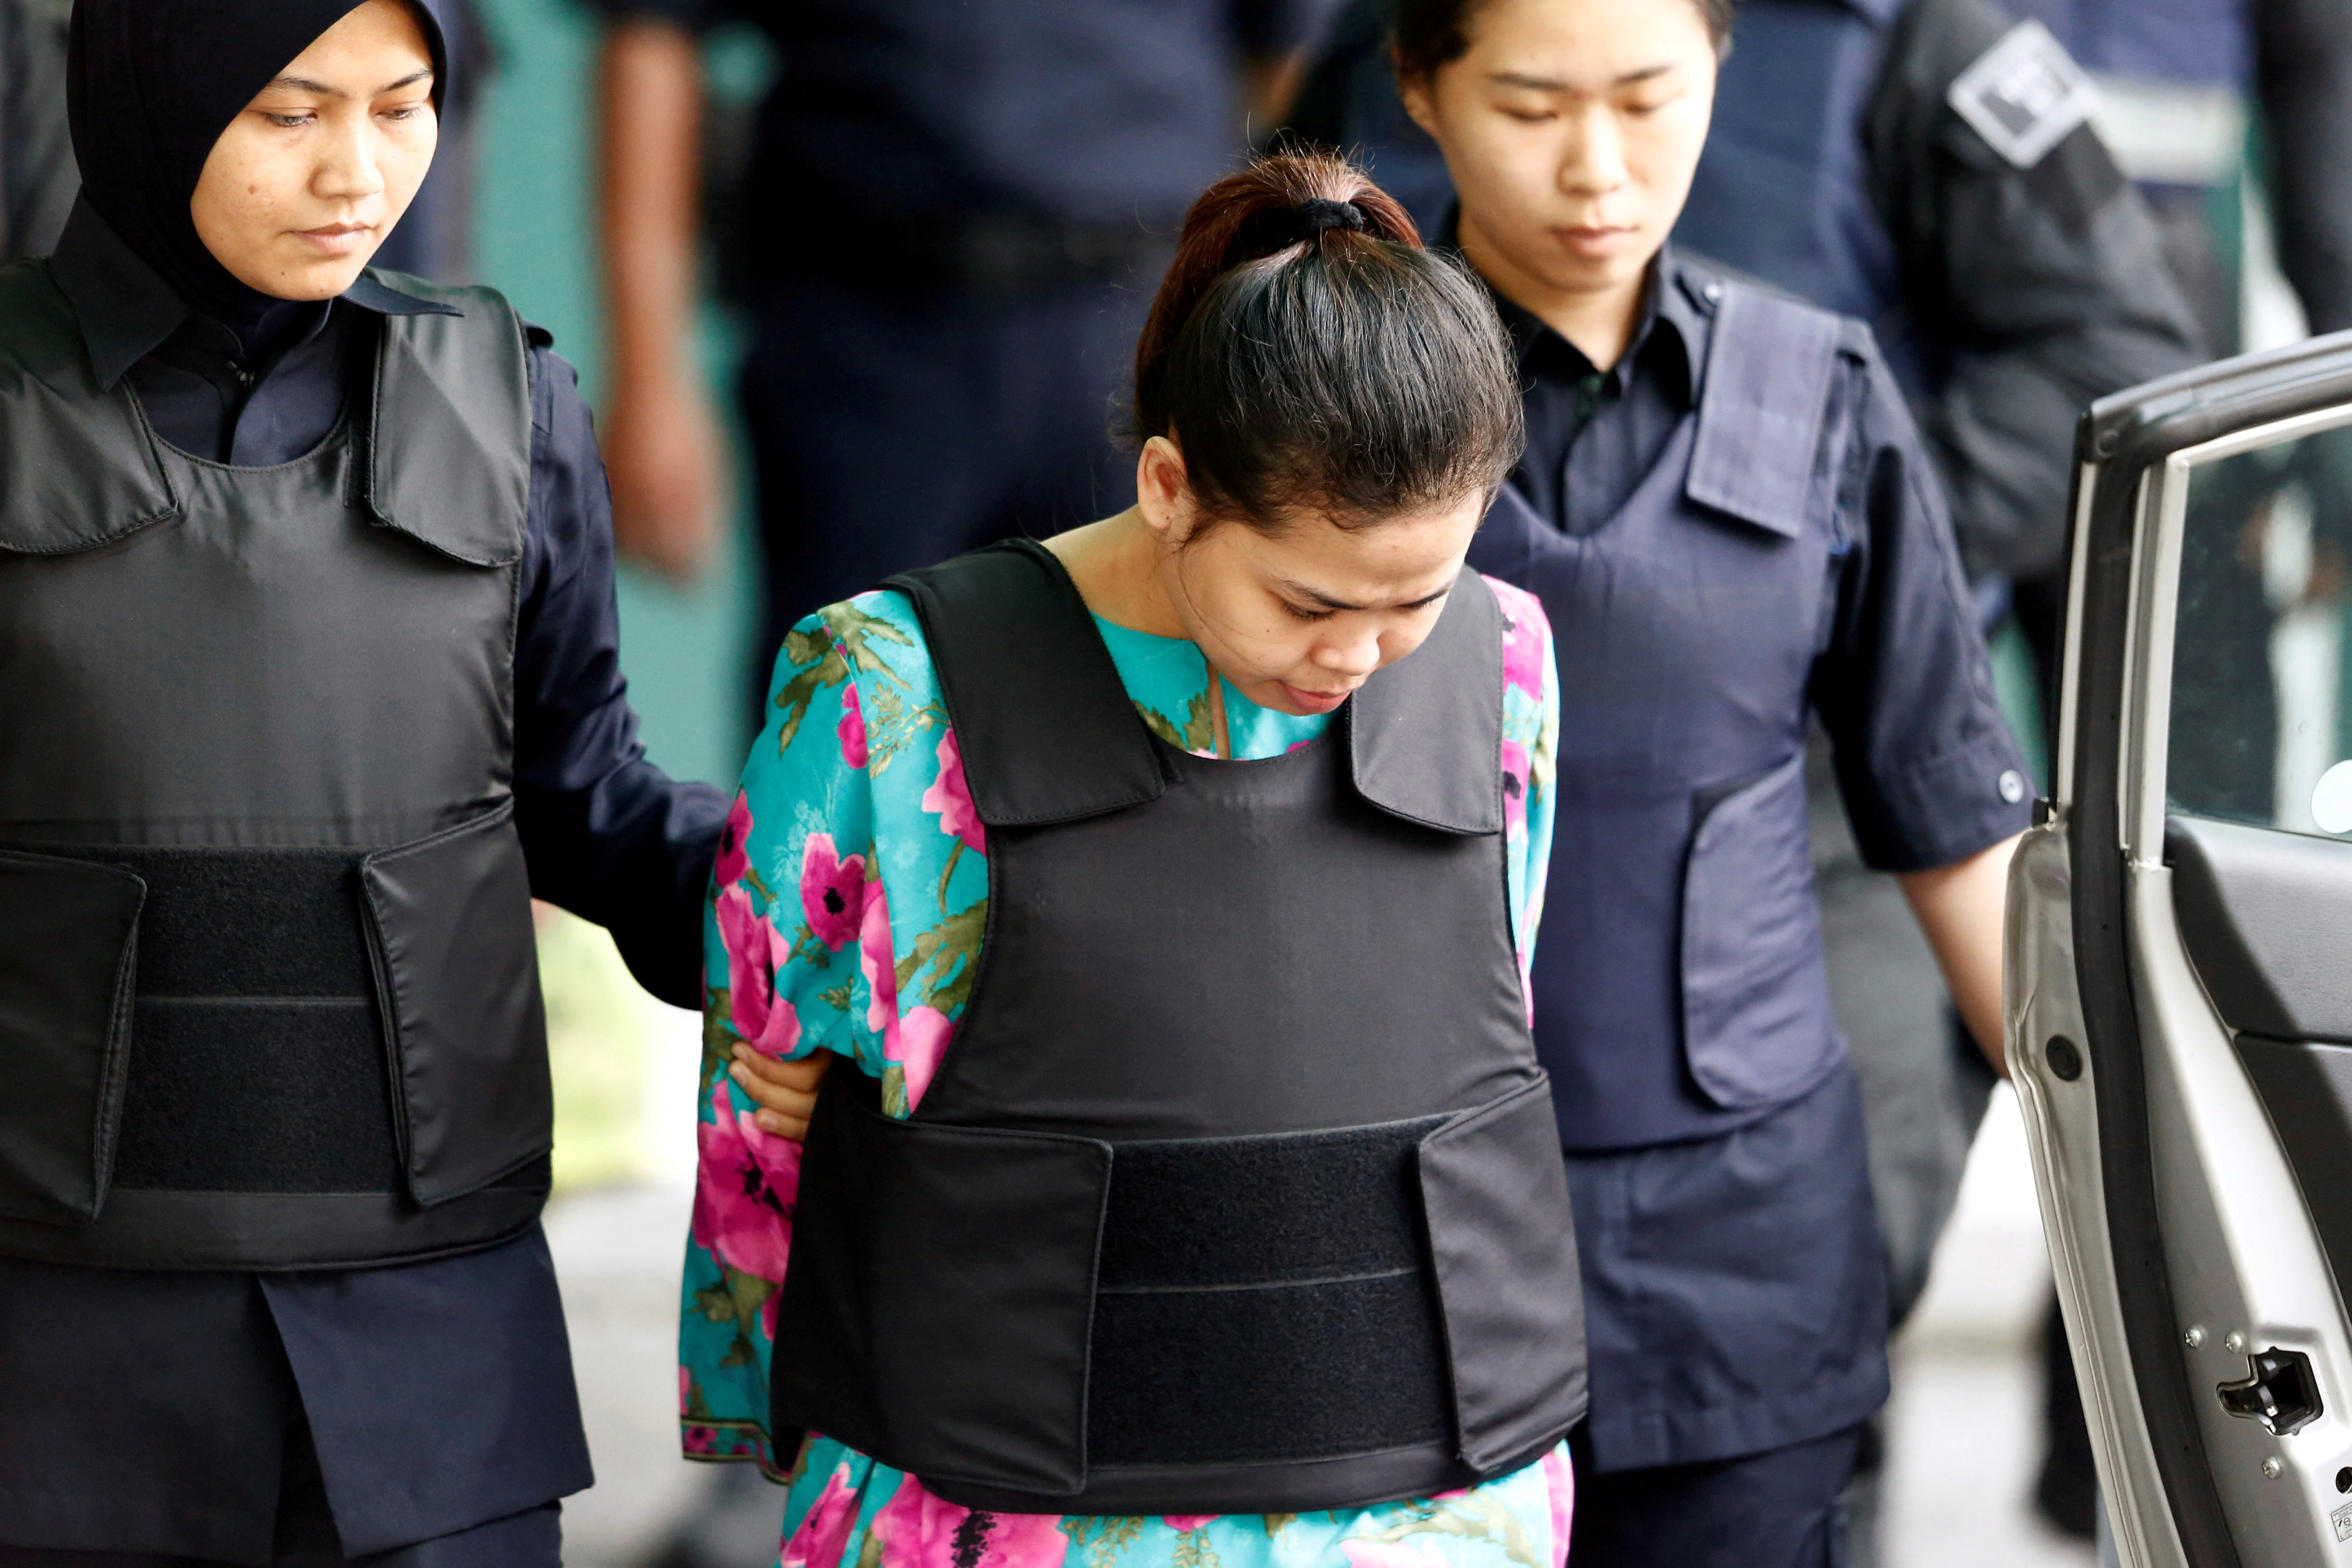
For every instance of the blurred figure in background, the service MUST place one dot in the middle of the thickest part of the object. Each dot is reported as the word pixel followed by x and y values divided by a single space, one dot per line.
pixel 37 167
pixel 2176 80
pixel 958 213
pixel 38 180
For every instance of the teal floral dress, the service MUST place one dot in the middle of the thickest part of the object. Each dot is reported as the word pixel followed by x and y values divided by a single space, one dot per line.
pixel 847 907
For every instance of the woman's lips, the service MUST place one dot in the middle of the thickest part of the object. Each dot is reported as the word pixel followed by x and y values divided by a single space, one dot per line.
pixel 1595 242
pixel 1314 702
pixel 336 239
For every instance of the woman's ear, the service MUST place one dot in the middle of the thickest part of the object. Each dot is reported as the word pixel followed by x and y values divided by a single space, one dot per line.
pixel 1163 491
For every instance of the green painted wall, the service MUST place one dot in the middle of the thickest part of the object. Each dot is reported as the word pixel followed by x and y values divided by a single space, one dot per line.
pixel 687 654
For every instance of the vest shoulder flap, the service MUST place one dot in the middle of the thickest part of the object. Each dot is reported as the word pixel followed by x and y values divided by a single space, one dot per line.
pixel 454 391
pixel 1425 735
pixel 1763 404
pixel 77 467
pixel 1042 719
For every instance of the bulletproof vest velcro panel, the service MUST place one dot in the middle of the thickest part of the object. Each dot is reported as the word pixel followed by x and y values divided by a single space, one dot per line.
pixel 277 703
pixel 224 1022
pixel 1247 1104
pixel 1235 1273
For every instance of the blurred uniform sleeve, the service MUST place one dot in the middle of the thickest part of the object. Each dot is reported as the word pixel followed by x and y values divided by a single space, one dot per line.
pixel 607 835
pixel 2303 68
pixel 2045 277
pixel 1926 762
pixel 38 176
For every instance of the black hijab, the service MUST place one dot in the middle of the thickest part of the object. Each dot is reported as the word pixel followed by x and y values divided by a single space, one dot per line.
pixel 150 87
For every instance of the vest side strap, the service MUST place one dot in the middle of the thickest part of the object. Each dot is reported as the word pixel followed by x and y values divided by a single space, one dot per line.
pixel 1045 727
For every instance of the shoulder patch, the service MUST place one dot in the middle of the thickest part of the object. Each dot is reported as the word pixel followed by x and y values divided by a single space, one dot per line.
pixel 2024 95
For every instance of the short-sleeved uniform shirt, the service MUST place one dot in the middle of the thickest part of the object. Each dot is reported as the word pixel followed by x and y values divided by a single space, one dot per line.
pixel 1733 1284
pixel 852 894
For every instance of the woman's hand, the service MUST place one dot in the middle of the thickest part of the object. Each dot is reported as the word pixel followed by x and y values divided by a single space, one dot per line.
pixel 785 1091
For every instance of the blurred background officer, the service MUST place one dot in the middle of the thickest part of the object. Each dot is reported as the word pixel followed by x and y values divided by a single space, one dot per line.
pixel 38 180
pixel 955 216
pixel 37 167
pixel 2176 78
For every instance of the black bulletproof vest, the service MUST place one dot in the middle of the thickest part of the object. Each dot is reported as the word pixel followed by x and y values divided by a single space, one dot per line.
pixel 1239 1189
pixel 268 997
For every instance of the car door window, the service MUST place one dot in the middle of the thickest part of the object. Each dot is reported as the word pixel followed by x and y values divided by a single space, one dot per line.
pixel 2260 723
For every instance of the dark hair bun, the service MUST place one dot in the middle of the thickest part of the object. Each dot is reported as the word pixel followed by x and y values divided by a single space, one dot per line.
pixel 1311 352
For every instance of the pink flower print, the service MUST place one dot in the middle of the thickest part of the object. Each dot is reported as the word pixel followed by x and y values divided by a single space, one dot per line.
pixel 1523 644
pixel 743 1195
pixel 824 1532
pixel 853 727
pixel 754 949
pixel 685 1387
pixel 1559 1480
pixel 699 1440
pixel 950 796
pixel 879 965
pixel 1515 785
pixel 1391 1554
pixel 917 1530
pixel 732 862
pixel 1186 1523
pixel 833 890
pixel 916 1044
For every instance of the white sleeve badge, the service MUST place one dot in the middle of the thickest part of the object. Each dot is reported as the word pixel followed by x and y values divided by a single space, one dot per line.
pixel 2025 94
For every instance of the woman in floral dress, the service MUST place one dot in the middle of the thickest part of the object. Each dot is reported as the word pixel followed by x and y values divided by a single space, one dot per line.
pixel 851 892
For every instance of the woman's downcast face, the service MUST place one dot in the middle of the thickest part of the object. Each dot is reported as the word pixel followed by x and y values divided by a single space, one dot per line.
pixel 1300 616
pixel 307 181
pixel 1573 129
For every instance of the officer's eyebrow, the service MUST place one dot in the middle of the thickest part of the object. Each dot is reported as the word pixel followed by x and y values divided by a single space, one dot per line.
pixel 1323 600
pixel 1552 84
pixel 304 84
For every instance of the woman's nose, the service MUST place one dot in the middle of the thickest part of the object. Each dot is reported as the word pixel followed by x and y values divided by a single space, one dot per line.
pixel 1595 161
pixel 1353 656
pixel 349 171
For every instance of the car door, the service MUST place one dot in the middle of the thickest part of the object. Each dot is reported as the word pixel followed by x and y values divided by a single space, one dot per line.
pixel 2179 973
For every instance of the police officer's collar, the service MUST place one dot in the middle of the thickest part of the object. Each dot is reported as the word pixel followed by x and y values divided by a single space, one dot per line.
pixel 126 310
pixel 1676 297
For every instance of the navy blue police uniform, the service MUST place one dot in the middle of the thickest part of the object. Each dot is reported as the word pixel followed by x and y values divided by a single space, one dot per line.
pixel 961 212
pixel 414 1415
pixel 1734 533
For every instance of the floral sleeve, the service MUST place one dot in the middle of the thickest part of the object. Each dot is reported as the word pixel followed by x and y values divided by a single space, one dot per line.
pixel 1530 746
pixel 827 930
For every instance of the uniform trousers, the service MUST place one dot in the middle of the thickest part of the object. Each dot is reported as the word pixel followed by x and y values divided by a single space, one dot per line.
pixel 892 431
pixel 307 1538
pixel 1779 1508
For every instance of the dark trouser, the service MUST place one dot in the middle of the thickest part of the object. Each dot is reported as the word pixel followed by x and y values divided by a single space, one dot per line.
pixel 306 1535
pixel 1780 1509
pixel 894 431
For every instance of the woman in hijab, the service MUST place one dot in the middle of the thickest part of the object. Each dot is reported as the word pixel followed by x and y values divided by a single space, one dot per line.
pixel 308 682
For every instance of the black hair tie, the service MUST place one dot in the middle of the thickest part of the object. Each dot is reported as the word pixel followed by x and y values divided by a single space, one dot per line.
pixel 1316 215
pixel 1278 228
